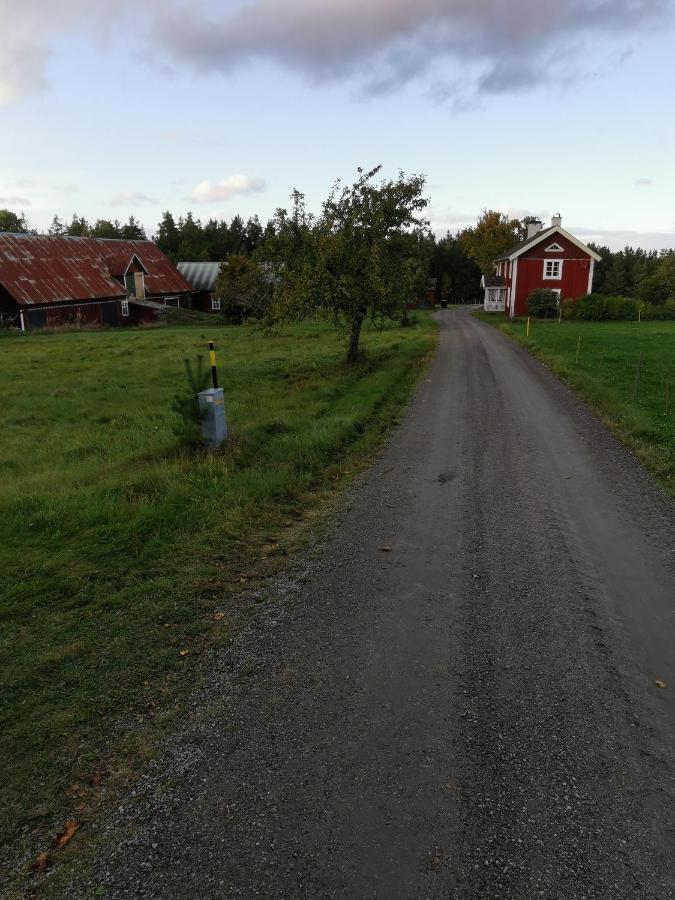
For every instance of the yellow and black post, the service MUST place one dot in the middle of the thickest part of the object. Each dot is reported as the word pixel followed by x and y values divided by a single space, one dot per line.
pixel 212 359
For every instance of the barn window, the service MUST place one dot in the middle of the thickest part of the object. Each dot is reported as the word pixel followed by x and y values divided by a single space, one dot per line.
pixel 553 269
pixel 125 307
pixel 215 304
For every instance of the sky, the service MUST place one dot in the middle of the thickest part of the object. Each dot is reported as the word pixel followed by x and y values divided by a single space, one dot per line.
pixel 130 107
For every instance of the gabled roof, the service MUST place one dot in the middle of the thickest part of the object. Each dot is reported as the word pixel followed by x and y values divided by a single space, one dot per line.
pixel 43 269
pixel 118 263
pixel 201 275
pixel 546 233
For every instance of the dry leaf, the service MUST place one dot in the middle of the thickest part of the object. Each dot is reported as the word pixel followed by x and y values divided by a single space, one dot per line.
pixel 96 778
pixel 184 652
pixel 64 837
pixel 386 549
pixel 436 860
pixel 41 862
pixel 659 683
pixel 218 616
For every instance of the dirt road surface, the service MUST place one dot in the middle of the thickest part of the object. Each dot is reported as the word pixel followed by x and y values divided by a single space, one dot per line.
pixel 456 696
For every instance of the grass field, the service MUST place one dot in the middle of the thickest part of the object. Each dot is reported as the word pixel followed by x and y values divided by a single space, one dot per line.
pixel 641 411
pixel 117 547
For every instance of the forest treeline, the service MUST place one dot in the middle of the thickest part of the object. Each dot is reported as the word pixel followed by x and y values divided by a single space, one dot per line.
pixel 456 261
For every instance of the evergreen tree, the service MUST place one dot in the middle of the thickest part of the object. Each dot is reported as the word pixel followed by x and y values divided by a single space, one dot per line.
pixel 133 230
pixel 167 238
pixel 79 227
pixel 57 228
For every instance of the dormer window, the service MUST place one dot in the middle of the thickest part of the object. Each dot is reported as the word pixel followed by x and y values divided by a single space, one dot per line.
pixel 553 269
pixel 555 248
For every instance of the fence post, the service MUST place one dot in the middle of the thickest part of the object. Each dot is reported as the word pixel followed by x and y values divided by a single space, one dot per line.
pixel 527 332
pixel 578 348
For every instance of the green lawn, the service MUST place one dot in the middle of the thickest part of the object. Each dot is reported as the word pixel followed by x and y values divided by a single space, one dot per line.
pixel 641 411
pixel 116 546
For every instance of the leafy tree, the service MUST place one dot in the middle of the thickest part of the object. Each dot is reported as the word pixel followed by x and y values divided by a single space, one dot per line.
pixel 13 223
pixel 355 260
pixel 243 288
pixel 493 235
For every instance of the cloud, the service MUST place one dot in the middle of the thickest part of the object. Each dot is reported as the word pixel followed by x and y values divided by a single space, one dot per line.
pixel 131 198
pixel 617 238
pixel 383 44
pixel 465 48
pixel 212 192
pixel 644 182
pixel 30 29
pixel 14 201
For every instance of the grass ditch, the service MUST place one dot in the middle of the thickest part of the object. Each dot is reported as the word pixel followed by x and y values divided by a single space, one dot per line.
pixel 123 558
pixel 624 370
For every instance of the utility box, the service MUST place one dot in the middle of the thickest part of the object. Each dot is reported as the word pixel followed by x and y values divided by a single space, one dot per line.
pixel 214 423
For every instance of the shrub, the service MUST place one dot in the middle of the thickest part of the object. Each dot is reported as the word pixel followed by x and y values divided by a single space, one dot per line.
pixel 543 303
pixel 601 308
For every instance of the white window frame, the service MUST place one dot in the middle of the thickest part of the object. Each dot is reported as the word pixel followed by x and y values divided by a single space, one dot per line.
pixel 215 304
pixel 556 266
pixel 554 248
pixel 125 307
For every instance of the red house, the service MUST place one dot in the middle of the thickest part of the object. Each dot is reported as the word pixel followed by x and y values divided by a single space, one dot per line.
pixel 549 258
pixel 47 280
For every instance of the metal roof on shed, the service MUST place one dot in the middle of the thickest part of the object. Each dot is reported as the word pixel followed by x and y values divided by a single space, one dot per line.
pixel 44 269
pixel 201 275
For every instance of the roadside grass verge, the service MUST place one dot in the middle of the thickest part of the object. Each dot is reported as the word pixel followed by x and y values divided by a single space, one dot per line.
pixel 639 409
pixel 122 556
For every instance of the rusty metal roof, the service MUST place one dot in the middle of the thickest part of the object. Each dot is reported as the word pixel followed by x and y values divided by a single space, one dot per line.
pixel 41 269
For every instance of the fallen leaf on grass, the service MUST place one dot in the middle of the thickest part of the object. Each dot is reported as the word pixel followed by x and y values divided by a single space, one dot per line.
pixel 436 860
pixel 65 837
pixel 386 549
pixel 184 652
pixel 218 616
pixel 659 683
pixel 41 862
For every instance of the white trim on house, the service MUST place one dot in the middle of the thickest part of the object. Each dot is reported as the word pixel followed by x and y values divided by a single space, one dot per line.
pixel 554 248
pixel 590 277
pixel 545 235
pixel 514 283
pixel 555 266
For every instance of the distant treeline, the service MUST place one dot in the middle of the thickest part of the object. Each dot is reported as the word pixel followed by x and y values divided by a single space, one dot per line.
pixel 455 261
pixel 642 274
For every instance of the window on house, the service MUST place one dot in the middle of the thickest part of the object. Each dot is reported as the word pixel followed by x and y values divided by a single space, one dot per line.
pixel 215 304
pixel 554 248
pixel 553 269
pixel 125 307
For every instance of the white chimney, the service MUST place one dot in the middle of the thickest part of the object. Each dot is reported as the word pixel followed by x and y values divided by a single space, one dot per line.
pixel 556 221
pixel 533 228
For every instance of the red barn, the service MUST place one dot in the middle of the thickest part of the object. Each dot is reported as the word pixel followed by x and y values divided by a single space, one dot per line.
pixel 549 258
pixel 47 280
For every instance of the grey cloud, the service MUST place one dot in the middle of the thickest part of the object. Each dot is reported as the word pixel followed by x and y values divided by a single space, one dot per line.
pixel 385 43
pixel 14 201
pixel 465 49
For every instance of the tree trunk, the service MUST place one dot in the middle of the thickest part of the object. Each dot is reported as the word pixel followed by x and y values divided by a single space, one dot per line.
pixel 353 349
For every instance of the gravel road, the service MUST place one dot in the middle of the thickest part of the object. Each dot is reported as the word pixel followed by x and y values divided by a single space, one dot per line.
pixel 456 695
